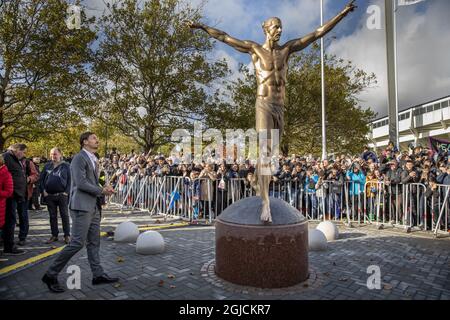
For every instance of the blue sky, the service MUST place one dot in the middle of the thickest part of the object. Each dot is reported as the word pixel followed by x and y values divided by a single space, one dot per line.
pixel 423 40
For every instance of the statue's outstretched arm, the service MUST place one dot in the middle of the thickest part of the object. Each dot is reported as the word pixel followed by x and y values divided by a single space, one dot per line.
pixel 299 44
pixel 240 45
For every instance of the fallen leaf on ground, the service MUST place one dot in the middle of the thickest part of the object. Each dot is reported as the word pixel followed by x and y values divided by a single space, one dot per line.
pixel 326 274
pixel 54 247
pixel 387 287
pixel 172 286
pixel 343 279
pixel 160 283
pixel 120 259
pixel 117 285
pixel 306 285
pixel 171 276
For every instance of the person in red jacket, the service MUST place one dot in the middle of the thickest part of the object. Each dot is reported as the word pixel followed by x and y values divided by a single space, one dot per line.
pixel 22 208
pixel 6 189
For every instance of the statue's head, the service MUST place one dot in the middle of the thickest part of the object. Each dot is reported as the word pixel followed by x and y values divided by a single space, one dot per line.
pixel 272 28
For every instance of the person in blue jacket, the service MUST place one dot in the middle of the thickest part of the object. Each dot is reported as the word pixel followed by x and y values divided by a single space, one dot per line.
pixel 54 184
pixel 356 180
pixel 310 189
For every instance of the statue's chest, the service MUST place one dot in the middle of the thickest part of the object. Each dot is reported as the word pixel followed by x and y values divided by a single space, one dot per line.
pixel 269 61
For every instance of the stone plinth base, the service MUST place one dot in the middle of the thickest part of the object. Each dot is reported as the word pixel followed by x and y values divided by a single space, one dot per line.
pixel 265 256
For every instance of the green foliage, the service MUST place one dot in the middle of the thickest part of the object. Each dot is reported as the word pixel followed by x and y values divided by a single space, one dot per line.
pixel 43 76
pixel 156 68
pixel 141 72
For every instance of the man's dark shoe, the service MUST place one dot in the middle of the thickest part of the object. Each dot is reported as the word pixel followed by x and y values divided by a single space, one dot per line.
pixel 66 239
pixel 52 239
pixel 52 284
pixel 13 252
pixel 104 279
pixel 22 242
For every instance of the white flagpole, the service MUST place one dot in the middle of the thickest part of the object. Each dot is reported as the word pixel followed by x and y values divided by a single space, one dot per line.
pixel 396 76
pixel 324 137
pixel 391 52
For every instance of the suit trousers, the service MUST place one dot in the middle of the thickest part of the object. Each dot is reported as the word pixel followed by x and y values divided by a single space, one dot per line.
pixel 85 232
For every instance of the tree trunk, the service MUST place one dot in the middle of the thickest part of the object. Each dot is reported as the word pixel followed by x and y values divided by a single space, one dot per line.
pixel 285 148
pixel 149 139
pixel 2 142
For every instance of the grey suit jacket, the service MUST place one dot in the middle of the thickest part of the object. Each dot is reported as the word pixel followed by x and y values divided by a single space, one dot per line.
pixel 84 184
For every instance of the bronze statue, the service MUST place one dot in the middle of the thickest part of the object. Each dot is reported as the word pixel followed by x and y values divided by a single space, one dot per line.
pixel 271 64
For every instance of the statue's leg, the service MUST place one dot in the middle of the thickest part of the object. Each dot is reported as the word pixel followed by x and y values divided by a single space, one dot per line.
pixel 264 177
pixel 263 166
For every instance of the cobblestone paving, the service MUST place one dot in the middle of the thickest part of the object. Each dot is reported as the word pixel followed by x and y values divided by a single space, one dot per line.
pixel 411 268
pixel 39 231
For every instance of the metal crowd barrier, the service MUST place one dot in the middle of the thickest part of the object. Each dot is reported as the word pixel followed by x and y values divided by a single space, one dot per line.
pixel 439 207
pixel 411 206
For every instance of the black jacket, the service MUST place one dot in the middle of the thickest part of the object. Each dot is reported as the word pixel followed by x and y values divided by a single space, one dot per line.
pixel 18 174
pixel 55 180
pixel 394 177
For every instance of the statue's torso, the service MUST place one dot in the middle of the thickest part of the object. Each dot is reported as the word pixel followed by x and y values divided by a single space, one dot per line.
pixel 271 72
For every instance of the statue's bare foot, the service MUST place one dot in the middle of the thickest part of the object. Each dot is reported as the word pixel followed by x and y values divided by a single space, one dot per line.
pixel 266 216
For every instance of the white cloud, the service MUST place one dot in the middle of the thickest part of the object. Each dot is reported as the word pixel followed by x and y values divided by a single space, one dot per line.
pixel 299 17
pixel 96 7
pixel 423 48
pixel 423 42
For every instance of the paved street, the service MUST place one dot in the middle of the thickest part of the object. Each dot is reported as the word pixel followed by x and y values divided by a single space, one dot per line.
pixel 412 267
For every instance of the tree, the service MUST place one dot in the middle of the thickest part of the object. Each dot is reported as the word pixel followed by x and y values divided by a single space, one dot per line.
pixel 43 69
pixel 156 69
pixel 347 123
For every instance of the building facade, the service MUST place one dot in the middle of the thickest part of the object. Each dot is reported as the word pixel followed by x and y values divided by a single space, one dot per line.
pixel 415 125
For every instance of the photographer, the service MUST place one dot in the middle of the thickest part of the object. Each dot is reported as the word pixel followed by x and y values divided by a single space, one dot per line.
pixel 393 191
pixel 207 178
pixel 334 184
pixel 284 182
pixel 356 181
pixel 311 180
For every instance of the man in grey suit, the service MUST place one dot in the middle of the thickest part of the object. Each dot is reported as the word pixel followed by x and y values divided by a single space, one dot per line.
pixel 85 209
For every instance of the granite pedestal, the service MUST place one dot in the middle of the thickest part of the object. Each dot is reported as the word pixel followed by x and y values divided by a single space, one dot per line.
pixel 251 253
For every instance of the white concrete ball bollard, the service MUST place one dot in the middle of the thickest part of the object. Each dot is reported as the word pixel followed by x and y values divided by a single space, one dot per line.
pixel 316 240
pixel 329 229
pixel 126 232
pixel 150 242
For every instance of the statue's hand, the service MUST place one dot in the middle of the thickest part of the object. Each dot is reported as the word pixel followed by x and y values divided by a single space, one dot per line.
pixel 193 25
pixel 350 6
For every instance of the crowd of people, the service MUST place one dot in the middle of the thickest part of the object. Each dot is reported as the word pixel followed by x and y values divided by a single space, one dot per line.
pixel 28 183
pixel 313 182
pixel 25 187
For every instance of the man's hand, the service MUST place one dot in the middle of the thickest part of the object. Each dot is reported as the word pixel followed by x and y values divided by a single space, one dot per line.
pixel 108 190
pixel 45 194
pixel 350 7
